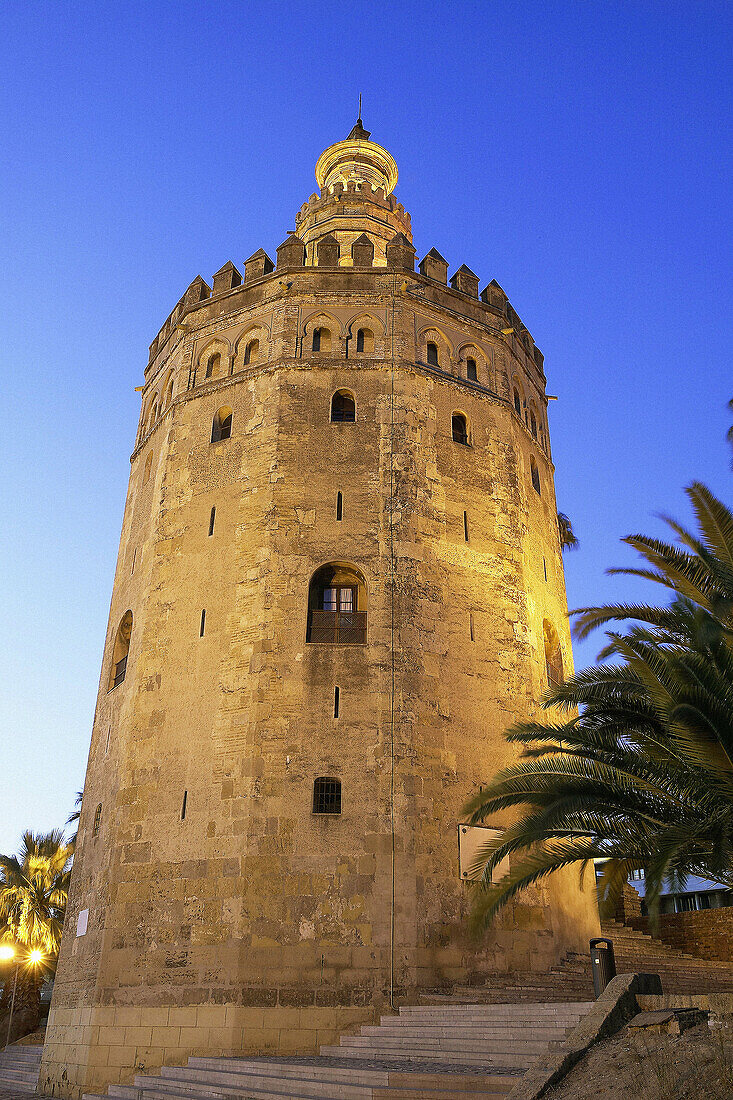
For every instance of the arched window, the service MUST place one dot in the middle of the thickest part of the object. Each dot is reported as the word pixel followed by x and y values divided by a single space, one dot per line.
pixel 120 651
pixel 327 796
pixel 343 406
pixel 148 467
pixel 459 427
pixel 553 656
pixel 365 340
pixel 251 352
pixel 517 404
pixel 337 605
pixel 321 339
pixel 535 476
pixel 168 395
pixel 533 424
pixel 152 415
pixel 471 373
pixel 221 427
pixel 97 820
pixel 432 354
pixel 212 367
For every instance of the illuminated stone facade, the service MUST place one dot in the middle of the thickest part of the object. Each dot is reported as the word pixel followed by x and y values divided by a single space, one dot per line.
pixel 405 557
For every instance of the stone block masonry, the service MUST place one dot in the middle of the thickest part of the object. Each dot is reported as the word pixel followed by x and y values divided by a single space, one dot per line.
pixel 217 906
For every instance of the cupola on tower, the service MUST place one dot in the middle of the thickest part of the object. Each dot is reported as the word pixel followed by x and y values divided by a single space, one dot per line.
pixel 339 580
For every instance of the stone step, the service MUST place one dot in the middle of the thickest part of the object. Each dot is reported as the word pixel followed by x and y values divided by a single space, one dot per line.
pixel 537 1008
pixel 447 1057
pixel 491 1047
pixel 18 1086
pixel 317 1067
pixel 469 1031
pixel 410 1086
pixel 25 1053
pixel 21 1073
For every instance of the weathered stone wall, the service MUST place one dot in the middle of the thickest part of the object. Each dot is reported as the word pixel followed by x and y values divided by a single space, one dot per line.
pixel 707 933
pixel 253 924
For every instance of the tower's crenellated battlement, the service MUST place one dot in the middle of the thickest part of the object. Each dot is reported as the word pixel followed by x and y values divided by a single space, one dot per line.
pixel 339 579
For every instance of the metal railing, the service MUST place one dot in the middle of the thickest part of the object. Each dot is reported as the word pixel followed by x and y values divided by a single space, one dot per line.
pixel 346 627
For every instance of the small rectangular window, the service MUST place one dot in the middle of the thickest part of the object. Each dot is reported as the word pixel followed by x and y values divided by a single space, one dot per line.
pixel 183 806
pixel 327 796
pixel 203 623
pixel 212 518
pixel 336 701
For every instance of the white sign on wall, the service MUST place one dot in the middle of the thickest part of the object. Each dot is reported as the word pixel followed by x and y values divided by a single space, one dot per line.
pixel 471 838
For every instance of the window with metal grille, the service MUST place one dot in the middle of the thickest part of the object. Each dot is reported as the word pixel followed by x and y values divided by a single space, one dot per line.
pixel 221 427
pixel 459 428
pixel 553 656
pixel 535 476
pixel 97 820
pixel 337 606
pixel 471 373
pixel 343 407
pixel 120 669
pixel 432 354
pixel 120 651
pixel 327 796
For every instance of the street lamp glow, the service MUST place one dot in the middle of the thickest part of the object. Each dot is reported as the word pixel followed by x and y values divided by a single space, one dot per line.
pixel 6 952
pixel 35 956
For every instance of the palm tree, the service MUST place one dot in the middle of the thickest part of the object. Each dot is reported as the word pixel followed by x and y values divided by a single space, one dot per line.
pixel 642 774
pixel 568 538
pixel 73 818
pixel 34 886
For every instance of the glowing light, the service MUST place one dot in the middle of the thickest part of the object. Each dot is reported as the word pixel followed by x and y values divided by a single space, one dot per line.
pixel 35 956
pixel 6 952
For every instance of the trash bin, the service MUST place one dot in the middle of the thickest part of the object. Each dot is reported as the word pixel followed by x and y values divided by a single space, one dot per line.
pixel 602 963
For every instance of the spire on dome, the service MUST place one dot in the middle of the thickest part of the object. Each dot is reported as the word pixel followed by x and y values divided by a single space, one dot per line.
pixel 358 133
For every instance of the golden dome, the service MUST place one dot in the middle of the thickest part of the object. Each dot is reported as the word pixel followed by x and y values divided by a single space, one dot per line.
pixel 357 160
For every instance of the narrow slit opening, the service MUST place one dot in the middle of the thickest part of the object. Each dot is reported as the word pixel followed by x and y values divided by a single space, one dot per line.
pixel 212 518
pixel 465 526
pixel 183 805
pixel 339 505
pixel 336 701
pixel 203 623
pixel 470 624
pixel 544 566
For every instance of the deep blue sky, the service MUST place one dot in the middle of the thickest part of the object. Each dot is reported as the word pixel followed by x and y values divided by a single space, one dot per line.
pixel 578 152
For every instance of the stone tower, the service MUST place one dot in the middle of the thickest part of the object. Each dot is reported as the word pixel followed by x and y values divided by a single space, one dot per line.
pixel 339 580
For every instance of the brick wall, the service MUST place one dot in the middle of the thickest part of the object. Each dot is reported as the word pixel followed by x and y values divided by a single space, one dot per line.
pixel 707 933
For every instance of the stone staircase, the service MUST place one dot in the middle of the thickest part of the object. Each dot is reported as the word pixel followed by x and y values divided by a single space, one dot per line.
pixel 571 979
pixel 19 1068
pixel 427 1052
pixel 680 973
